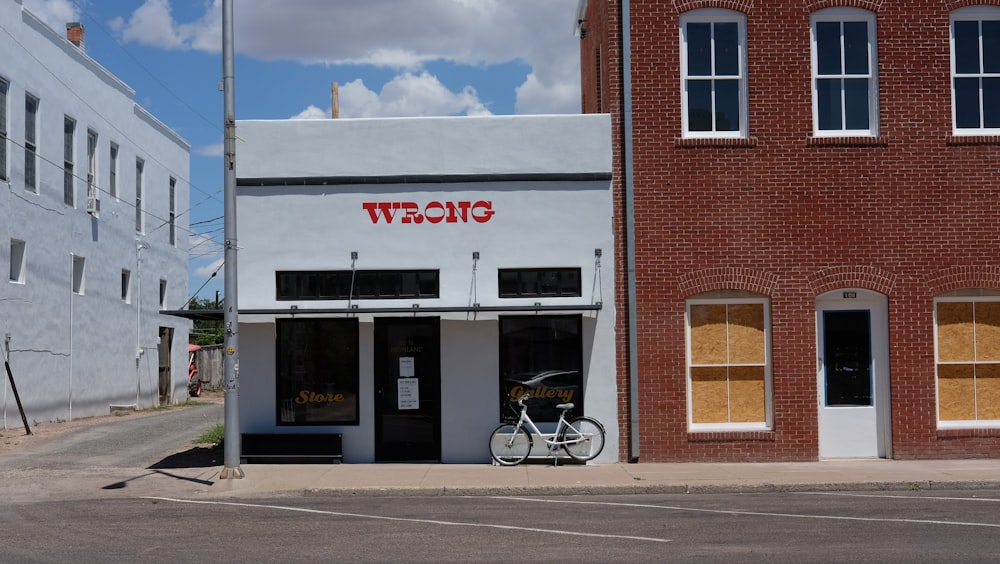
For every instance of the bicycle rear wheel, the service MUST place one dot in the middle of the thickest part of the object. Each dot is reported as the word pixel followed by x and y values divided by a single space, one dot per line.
pixel 583 438
pixel 510 444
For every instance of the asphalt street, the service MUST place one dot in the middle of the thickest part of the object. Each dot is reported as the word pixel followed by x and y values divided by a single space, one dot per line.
pixel 959 526
pixel 138 489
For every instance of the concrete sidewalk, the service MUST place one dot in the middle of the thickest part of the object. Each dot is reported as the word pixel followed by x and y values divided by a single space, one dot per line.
pixel 621 478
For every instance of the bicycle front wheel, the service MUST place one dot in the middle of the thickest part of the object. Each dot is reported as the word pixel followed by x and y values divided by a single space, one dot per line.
pixel 583 438
pixel 510 444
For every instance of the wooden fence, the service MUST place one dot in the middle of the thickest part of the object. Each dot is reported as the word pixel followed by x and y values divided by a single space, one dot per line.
pixel 211 367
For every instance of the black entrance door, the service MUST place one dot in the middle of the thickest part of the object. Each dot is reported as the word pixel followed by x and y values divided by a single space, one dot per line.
pixel 407 389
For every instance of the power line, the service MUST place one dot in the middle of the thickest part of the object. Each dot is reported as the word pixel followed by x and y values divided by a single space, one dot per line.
pixel 113 126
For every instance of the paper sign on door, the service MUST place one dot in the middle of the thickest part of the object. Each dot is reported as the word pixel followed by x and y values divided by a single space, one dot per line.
pixel 406 367
pixel 408 393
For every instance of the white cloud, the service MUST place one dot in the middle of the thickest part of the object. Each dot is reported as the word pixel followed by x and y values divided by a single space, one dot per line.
pixel 153 24
pixel 312 112
pixel 55 13
pixel 204 272
pixel 215 150
pixel 408 95
pixel 395 34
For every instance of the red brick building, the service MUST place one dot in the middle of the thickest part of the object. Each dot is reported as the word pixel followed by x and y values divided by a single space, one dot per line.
pixel 808 214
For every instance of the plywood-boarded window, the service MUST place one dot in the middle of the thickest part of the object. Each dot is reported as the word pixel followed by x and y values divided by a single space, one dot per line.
pixel 728 362
pixel 968 360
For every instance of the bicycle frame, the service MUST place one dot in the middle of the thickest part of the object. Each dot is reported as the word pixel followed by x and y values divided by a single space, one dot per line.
pixel 526 422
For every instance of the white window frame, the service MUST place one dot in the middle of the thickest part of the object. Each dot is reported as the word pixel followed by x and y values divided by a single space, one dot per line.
pixel 92 139
pixel 713 16
pixel 69 157
pixel 140 173
pixel 971 13
pixel 113 154
pixel 18 252
pixel 172 211
pixel 768 423
pixel 31 180
pixel 842 15
pixel 958 424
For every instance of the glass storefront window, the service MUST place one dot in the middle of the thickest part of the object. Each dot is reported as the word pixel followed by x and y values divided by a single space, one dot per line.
pixel 541 355
pixel 317 372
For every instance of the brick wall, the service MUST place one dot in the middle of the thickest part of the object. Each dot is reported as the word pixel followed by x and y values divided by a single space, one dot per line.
pixel 910 214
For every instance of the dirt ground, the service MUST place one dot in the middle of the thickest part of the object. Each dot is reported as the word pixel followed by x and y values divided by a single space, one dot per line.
pixel 14 438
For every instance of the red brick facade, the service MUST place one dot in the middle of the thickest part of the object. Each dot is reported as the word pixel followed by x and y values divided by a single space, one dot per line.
pixel 909 213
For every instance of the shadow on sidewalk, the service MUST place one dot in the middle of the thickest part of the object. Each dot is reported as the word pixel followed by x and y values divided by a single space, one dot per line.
pixel 196 457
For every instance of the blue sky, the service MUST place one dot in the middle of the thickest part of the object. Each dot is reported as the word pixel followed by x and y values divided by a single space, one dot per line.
pixel 390 58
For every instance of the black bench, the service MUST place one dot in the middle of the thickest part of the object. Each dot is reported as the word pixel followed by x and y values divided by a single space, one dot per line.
pixel 291 447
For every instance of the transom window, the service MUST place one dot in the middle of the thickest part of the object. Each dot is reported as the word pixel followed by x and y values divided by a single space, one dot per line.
pixel 713 73
pixel 968 361
pixel 844 62
pixel 728 364
pixel 360 284
pixel 539 282
pixel 975 70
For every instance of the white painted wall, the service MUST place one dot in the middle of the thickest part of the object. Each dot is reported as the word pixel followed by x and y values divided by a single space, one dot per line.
pixel 75 355
pixel 537 223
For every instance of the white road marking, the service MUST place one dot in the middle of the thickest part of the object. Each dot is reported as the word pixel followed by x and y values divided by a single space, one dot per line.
pixel 758 513
pixel 409 520
pixel 887 496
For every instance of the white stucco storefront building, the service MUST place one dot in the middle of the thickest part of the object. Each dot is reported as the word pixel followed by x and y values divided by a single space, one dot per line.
pixel 398 277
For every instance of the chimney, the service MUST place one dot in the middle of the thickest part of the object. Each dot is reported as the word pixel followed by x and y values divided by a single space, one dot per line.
pixel 74 33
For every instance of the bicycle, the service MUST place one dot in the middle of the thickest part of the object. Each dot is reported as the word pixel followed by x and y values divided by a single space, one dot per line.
pixel 581 437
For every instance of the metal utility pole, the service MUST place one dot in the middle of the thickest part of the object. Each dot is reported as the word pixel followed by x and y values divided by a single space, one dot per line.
pixel 231 469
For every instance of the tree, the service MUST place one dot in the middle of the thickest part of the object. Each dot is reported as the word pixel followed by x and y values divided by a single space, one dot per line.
pixel 206 331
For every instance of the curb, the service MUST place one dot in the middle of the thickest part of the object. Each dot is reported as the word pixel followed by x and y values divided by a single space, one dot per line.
pixel 510 491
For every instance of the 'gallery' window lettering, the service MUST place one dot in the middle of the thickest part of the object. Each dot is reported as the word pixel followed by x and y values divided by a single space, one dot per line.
pixel 434 212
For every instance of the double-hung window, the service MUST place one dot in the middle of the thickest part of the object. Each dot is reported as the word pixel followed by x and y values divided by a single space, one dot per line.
pixel 844 68
pixel 69 147
pixel 713 73
pixel 729 386
pixel 172 211
pixel 967 331
pixel 3 129
pixel 139 166
pixel 113 174
pixel 92 198
pixel 975 70
pixel 30 143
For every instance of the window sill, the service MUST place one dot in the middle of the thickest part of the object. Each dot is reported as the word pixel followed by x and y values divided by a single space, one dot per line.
pixel 729 436
pixel 967 433
pixel 852 141
pixel 715 142
pixel 965 140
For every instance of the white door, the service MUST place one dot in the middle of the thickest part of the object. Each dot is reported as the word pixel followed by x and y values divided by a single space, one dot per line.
pixel 853 375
